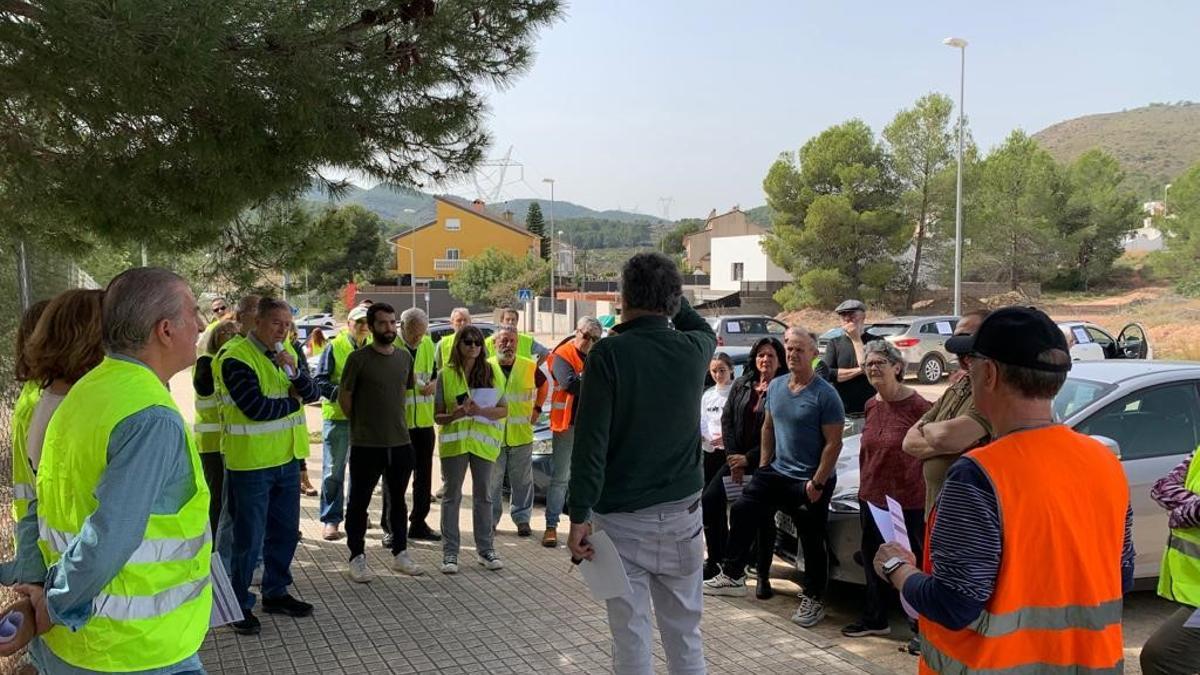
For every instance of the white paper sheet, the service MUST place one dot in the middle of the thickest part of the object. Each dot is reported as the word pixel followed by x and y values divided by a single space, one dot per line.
pixel 1193 620
pixel 605 574
pixel 485 397
pixel 944 328
pixel 893 529
pixel 225 607
pixel 733 490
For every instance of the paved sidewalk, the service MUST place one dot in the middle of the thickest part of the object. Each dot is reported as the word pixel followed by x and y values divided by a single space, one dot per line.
pixel 534 616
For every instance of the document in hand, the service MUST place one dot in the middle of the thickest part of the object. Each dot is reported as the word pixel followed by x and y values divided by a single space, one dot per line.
pixel 485 398
pixel 605 573
pixel 893 529
pixel 225 606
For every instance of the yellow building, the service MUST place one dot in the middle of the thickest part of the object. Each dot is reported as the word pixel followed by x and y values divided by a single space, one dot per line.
pixel 459 231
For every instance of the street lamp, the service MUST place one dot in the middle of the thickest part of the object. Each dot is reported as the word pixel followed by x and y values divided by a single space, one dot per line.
pixel 553 259
pixel 412 273
pixel 961 45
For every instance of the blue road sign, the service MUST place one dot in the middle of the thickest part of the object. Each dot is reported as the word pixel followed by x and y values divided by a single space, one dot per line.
pixel 525 295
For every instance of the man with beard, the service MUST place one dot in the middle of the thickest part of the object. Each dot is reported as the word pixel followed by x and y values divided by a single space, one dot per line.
pixel 372 393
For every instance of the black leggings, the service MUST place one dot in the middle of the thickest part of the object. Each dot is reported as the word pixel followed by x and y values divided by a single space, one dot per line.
pixel 716 515
pixel 213 464
pixel 367 466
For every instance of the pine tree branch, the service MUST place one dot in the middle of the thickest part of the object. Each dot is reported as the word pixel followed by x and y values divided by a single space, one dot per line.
pixel 20 8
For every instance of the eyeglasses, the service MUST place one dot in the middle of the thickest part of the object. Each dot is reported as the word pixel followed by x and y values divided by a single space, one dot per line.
pixel 875 365
pixel 589 337
pixel 471 343
pixel 360 322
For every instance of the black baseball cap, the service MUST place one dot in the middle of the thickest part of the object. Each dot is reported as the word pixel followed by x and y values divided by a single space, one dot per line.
pixel 1015 336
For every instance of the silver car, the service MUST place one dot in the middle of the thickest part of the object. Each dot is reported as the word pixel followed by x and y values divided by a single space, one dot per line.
pixel 920 339
pixel 1150 410
pixel 745 330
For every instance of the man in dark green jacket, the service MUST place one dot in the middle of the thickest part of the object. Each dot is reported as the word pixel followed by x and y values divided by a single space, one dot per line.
pixel 636 470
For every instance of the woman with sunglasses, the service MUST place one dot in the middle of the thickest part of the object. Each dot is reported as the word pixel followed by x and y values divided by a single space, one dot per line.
pixel 470 410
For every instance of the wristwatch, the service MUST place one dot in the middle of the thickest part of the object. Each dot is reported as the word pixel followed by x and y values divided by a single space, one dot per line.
pixel 819 486
pixel 891 565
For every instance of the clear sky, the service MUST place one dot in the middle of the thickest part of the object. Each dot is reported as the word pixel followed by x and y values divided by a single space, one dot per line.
pixel 633 100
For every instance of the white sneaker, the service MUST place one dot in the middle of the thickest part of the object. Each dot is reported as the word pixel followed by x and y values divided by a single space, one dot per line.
pixel 490 560
pixel 725 585
pixel 450 564
pixel 809 613
pixel 404 564
pixel 359 572
pixel 256 579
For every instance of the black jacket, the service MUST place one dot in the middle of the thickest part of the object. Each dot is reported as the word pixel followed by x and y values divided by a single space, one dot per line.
pixel 734 418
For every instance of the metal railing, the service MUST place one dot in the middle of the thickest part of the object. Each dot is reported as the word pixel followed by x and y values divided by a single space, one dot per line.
pixel 448 264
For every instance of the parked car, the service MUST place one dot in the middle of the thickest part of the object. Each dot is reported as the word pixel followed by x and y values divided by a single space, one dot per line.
pixel 1093 343
pixel 745 330
pixel 1149 412
pixel 922 342
pixel 441 329
pixel 305 325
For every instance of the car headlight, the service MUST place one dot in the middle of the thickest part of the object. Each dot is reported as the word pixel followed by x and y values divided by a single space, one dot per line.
pixel 543 448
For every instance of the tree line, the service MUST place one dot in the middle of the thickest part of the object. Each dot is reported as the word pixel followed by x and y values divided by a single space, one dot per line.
pixel 873 217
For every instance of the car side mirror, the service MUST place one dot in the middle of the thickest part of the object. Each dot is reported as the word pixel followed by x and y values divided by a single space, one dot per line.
pixel 1111 444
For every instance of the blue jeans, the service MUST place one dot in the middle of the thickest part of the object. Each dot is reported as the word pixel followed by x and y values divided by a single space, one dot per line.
pixel 224 533
pixel 335 437
pixel 517 462
pixel 266 523
pixel 556 496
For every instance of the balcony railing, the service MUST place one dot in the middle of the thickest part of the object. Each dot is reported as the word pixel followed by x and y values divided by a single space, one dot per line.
pixel 448 264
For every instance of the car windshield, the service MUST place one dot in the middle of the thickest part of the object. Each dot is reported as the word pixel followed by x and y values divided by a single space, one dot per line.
pixel 1076 395
pixel 886 329
pixel 313 317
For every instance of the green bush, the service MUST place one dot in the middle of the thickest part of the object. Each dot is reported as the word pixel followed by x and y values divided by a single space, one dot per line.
pixel 824 288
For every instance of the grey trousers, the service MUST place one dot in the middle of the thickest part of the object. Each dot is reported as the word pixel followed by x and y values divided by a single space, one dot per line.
pixel 454 472
pixel 663 554
pixel 1173 649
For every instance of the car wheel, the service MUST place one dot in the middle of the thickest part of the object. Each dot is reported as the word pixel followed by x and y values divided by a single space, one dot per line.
pixel 931 370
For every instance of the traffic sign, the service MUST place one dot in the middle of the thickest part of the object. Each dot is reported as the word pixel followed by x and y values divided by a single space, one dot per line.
pixel 525 295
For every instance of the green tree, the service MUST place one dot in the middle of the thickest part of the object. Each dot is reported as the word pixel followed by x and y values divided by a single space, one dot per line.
pixel 255 249
pixel 161 121
pixel 1181 259
pixel 921 142
pixel 1013 214
pixel 672 242
pixel 351 248
pixel 1098 214
pixel 835 218
pixel 494 276
pixel 536 223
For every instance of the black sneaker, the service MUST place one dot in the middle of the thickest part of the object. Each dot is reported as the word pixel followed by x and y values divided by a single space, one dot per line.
pixel 249 625
pixel 387 541
pixel 859 630
pixel 423 532
pixel 523 530
pixel 764 591
pixel 914 646
pixel 286 604
pixel 711 569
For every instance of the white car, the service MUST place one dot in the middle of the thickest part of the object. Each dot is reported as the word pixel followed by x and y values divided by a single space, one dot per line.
pixel 1090 342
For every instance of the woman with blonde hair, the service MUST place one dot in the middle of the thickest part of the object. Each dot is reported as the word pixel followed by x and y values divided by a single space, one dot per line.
pixel 208 420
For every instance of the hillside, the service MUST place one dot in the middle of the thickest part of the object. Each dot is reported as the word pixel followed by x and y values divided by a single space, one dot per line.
pixel 1154 144
pixel 391 202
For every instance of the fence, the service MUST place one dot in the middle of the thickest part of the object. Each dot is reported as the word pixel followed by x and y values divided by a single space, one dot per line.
pixel 33 274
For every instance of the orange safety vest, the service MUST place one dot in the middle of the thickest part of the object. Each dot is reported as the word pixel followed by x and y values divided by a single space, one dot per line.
pixel 561 403
pixel 1057 602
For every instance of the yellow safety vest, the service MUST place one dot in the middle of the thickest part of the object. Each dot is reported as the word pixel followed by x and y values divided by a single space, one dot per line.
pixel 467 434
pixel 445 347
pixel 520 392
pixel 23 480
pixel 524 345
pixel 249 445
pixel 155 611
pixel 208 415
pixel 342 347
pixel 1179 579
pixel 418 408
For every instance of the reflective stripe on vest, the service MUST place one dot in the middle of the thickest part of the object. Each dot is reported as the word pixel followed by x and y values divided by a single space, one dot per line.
pixel 1055 608
pixel 341 347
pixel 249 445
pixel 418 407
pixel 519 395
pixel 208 413
pixel 1179 575
pixel 22 472
pixel 206 402
pixel 468 435
pixel 214 428
pixel 933 660
pixel 155 611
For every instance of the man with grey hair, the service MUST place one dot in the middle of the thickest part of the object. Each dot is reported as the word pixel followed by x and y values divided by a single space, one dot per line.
pixel 524 390
pixel 460 318
pixel 637 470
pixel 566 364
pixel 119 476
pixel 801 441
pixel 264 387
pixel 418 410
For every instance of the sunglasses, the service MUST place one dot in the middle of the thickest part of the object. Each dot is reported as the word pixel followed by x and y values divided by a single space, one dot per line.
pixel 471 343
pixel 220 310
pixel 589 337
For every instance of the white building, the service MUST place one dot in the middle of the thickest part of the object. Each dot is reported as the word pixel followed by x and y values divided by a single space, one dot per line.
pixel 741 258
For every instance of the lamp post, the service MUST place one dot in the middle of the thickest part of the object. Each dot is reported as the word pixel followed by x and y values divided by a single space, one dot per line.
pixel 553 260
pixel 412 276
pixel 961 45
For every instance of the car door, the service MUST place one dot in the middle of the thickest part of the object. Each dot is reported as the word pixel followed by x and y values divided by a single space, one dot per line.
pixel 1084 349
pixel 1107 343
pixel 1134 343
pixel 1155 428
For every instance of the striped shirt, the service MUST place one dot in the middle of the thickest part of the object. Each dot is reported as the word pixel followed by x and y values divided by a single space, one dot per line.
pixel 242 385
pixel 965 550
pixel 1171 494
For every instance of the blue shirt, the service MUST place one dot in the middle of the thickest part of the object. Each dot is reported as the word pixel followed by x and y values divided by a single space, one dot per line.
pixel 798 418
pixel 149 472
